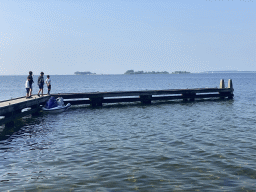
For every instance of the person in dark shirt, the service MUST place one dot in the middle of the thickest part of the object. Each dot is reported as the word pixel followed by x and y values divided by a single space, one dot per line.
pixel 40 83
pixel 30 77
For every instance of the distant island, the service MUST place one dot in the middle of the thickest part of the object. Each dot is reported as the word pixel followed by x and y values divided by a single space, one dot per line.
pixel 180 72
pixel 131 72
pixel 84 73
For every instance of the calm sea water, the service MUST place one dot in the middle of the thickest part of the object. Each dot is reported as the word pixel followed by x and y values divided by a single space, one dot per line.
pixel 166 146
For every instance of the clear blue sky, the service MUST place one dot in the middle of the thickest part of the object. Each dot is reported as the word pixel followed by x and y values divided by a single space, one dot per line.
pixel 112 36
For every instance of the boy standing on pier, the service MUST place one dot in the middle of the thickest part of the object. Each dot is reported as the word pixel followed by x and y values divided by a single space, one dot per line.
pixel 30 77
pixel 48 83
pixel 27 86
pixel 40 83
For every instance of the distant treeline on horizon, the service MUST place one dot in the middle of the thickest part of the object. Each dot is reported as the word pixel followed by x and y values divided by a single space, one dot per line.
pixel 131 72
pixel 128 72
pixel 84 73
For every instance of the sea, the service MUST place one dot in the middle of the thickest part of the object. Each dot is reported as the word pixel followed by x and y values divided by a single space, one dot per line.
pixel 206 145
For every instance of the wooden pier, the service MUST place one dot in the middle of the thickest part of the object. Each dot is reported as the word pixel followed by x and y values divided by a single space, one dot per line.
pixel 13 108
pixel 145 97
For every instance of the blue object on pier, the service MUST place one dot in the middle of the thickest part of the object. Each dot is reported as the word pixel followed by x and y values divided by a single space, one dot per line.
pixel 51 103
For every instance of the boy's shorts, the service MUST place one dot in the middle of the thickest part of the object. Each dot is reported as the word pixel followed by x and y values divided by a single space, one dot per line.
pixel 49 87
pixel 27 89
pixel 41 86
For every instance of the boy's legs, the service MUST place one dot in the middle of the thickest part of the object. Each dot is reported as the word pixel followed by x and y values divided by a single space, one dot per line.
pixel 40 89
pixel 49 89
pixel 27 90
pixel 30 91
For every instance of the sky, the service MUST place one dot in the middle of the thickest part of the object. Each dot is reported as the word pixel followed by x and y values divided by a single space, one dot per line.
pixel 61 37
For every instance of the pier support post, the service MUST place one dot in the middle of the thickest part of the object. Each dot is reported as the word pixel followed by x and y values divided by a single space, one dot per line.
pixel 185 95
pixel 222 95
pixel 231 96
pixel 96 102
pixel 189 96
pixel 230 86
pixel 222 84
pixel 6 115
pixel 192 97
pixel 35 110
pixel 145 99
pixel 9 124
pixel 10 120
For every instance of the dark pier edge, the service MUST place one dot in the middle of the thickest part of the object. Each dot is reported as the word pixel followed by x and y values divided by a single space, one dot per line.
pixel 96 99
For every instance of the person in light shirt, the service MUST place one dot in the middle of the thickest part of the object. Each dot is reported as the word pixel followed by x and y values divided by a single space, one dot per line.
pixel 27 86
pixel 48 83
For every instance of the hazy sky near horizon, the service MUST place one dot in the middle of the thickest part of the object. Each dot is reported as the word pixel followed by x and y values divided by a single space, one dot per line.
pixel 112 36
